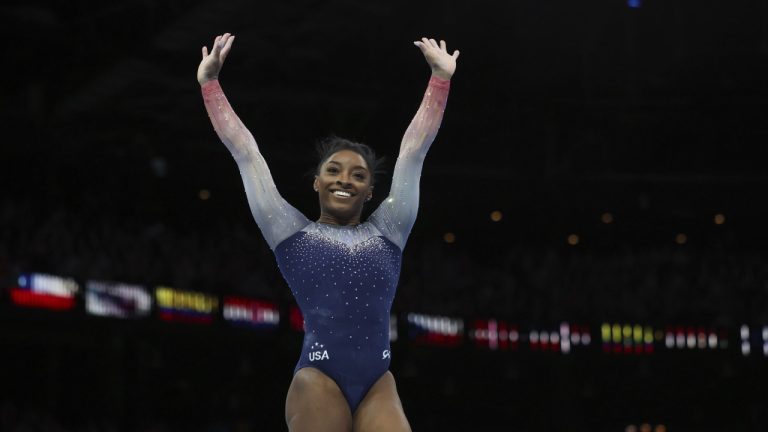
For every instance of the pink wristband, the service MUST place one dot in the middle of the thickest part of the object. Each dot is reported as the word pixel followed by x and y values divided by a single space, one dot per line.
pixel 210 87
pixel 439 82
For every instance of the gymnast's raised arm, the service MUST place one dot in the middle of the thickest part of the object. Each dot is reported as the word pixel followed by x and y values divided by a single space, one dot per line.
pixel 396 215
pixel 276 218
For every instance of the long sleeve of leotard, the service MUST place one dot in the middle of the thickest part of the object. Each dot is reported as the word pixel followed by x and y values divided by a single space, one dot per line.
pixel 276 218
pixel 396 215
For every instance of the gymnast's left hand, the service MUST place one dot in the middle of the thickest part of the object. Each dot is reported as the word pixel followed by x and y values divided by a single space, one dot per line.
pixel 443 64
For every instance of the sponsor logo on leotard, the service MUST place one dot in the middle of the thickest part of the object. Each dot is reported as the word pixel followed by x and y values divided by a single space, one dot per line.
pixel 385 355
pixel 318 353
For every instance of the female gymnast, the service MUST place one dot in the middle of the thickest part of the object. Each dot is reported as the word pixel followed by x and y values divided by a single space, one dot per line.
pixel 343 273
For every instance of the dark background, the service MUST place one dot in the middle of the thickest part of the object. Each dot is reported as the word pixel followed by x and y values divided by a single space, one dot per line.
pixel 559 112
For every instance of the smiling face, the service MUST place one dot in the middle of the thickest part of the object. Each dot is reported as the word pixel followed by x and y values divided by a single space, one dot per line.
pixel 343 185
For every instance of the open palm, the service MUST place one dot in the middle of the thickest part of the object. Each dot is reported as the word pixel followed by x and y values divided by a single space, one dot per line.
pixel 211 64
pixel 442 63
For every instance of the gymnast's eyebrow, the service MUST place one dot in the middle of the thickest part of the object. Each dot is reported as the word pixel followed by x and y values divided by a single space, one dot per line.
pixel 356 166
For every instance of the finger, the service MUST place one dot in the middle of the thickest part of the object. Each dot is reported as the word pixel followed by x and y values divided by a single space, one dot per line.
pixel 224 39
pixel 434 43
pixel 216 46
pixel 227 48
pixel 455 54
pixel 205 52
pixel 426 43
pixel 442 45
pixel 420 45
pixel 223 43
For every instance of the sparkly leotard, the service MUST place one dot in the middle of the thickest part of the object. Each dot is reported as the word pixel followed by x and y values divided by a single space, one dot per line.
pixel 343 277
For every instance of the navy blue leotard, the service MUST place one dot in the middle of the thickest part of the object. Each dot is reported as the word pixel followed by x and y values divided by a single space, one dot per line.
pixel 344 278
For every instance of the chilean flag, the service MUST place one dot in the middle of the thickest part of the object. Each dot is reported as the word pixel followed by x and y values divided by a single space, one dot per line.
pixel 44 291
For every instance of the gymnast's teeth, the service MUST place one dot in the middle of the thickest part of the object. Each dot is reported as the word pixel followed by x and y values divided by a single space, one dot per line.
pixel 342 193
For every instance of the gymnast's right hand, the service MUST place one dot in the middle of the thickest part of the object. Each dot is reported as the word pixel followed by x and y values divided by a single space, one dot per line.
pixel 211 64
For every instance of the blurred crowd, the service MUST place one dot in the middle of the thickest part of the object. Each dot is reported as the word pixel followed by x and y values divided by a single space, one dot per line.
pixel 166 386
pixel 84 243
pixel 663 284
pixel 38 418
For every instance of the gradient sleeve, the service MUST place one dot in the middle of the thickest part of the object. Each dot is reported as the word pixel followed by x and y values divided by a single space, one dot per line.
pixel 277 219
pixel 396 215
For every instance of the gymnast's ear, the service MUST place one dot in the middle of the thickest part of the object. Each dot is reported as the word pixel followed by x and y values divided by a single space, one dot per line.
pixel 315 185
